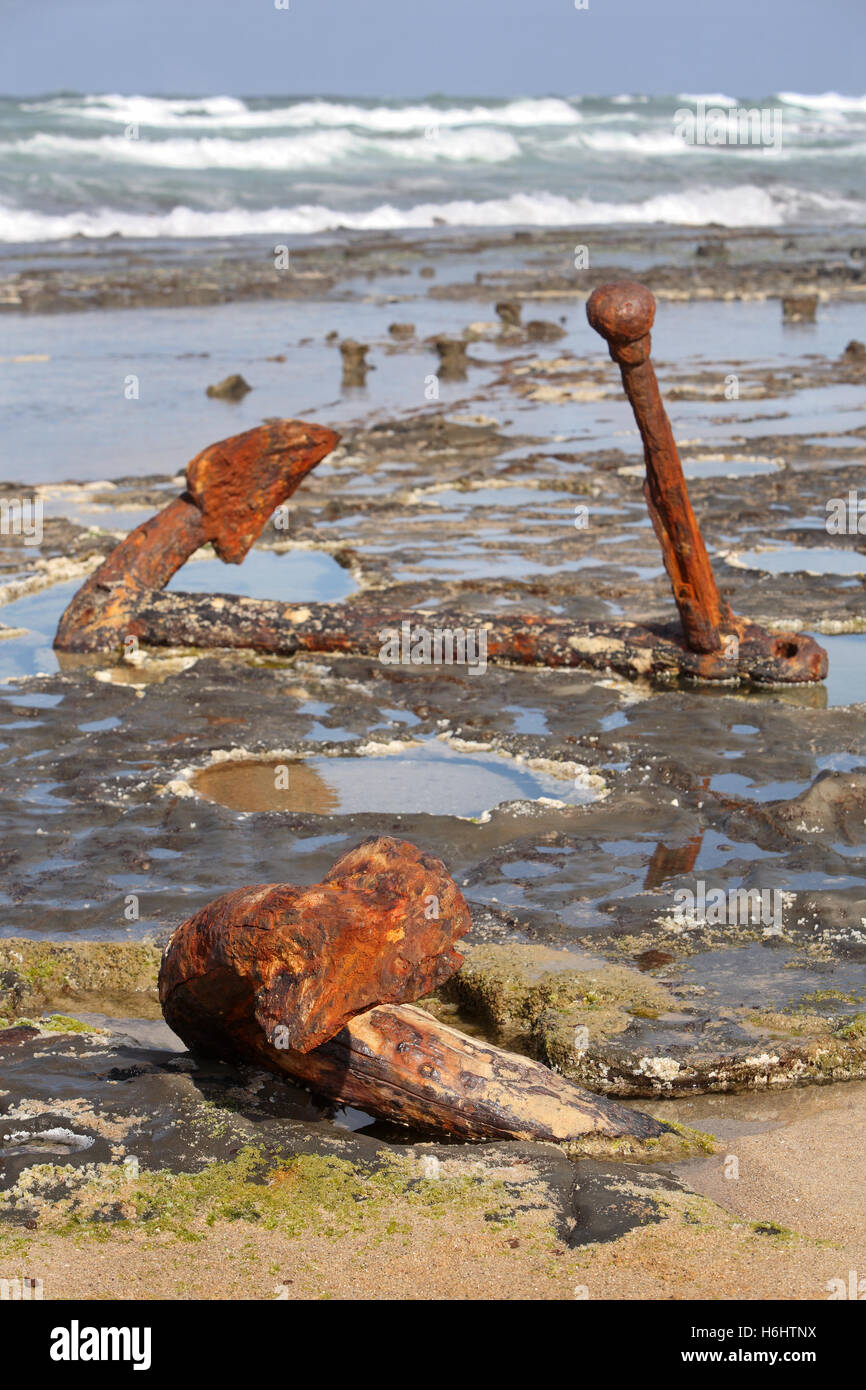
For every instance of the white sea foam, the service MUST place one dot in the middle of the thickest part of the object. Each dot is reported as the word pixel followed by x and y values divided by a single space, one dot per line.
pixel 742 206
pixel 314 150
pixel 708 98
pixel 649 142
pixel 229 112
pixel 825 101
pixel 222 166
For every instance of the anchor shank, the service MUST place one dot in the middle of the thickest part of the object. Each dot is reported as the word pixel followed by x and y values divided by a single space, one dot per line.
pixel 623 313
pixel 701 608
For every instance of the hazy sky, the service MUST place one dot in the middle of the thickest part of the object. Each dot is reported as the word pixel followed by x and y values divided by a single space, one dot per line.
pixel 412 47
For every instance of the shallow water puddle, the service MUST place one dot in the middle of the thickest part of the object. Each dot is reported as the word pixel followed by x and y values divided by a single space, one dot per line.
pixel 430 778
pixel 46 1141
pixel 797 560
pixel 765 976
pixel 495 497
pixel 528 719
pixel 719 467
pixel 103 518
pixel 845 683
pixel 837 441
pixel 736 784
pixel 293 576
pixel 462 565
pixel 31 653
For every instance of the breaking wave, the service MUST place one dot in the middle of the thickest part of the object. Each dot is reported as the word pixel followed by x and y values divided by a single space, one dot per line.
pixel 744 206
pixel 316 150
pixel 232 112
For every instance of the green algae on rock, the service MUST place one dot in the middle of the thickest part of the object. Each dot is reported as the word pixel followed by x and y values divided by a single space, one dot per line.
pixel 604 1028
pixel 34 975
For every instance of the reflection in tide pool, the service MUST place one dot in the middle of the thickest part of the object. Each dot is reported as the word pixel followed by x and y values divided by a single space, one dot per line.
pixel 800 560
pixel 846 678
pixel 429 777
pixel 293 576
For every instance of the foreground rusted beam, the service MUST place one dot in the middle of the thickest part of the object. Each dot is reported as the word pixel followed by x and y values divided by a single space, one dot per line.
pixel 623 314
pixel 631 649
pixel 232 488
pixel 402 1064
pixel 307 982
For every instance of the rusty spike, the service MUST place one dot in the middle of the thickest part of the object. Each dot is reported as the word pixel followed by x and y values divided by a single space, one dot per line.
pixel 237 483
pixel 232 488
pixel 623 314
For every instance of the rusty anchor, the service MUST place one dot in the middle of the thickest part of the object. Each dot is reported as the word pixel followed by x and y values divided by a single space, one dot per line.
pixel 234 486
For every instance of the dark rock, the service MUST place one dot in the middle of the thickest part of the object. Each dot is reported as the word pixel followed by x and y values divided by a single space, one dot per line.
pixel 231 388
pixel 543 331
pixel 800 308
pixel 509 311
pixel 452 358
pixel 713 249
pixel 608 1201
pixel 653 959
pixel 834 806
pixel 355 367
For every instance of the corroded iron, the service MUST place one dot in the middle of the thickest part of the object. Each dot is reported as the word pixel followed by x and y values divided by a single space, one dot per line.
pixel 232 488
pixel 623 314
pixel 313 983
pixel 355 629
pixel 235 485
pixel 379 929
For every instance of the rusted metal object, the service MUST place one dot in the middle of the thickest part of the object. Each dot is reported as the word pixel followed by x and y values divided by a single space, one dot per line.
pixel 307 982
pixel 402 1064
pixel 631 649
pixel 232 488
pixel 378 929
pixel 235 485
pixel 623 314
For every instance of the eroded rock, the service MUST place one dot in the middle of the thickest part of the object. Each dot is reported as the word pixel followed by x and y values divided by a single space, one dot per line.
pixel 799 308
pixel 231 388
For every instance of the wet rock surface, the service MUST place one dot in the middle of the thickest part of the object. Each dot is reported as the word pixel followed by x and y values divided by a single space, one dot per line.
pixel 231 388
pixel 738 263
pixel 117 1097
pixel 73 1105
pixel 522 493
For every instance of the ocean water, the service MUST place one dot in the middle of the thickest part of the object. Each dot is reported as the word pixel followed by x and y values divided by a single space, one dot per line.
pixel 220 166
